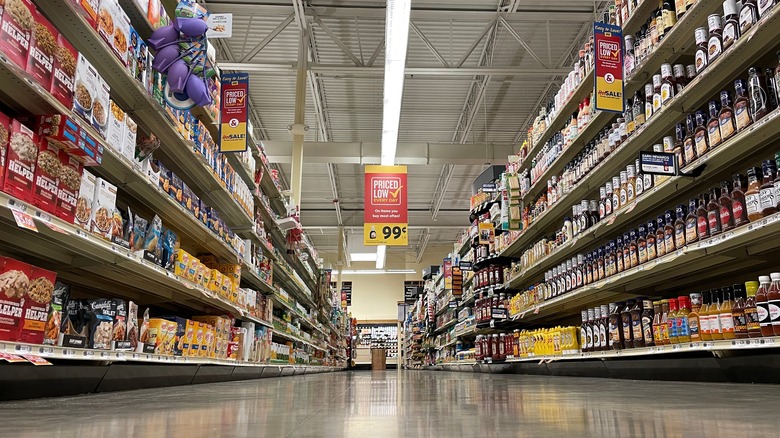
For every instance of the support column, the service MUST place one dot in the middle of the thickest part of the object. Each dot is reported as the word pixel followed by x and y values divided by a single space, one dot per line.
pixel 299 128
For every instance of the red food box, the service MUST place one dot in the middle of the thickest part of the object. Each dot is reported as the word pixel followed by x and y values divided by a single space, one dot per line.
pixel 36 306
pixel 90 151
pixel 22 154
pixel 64 77
pixel 47 172
pixel 68 186
pixel 43 51
pixel 61 130
pixel 88 9
pixel 18 22
pixel 14 285
pixel 5 133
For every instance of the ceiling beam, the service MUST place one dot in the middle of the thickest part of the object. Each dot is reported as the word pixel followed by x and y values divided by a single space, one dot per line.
pixel 268 38
pixel 428 44
pixel 378 71
pixel 407 153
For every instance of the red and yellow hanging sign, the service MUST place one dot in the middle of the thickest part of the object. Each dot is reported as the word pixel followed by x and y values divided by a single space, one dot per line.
pixel 608 39
pixel 234 112
pixel 385 220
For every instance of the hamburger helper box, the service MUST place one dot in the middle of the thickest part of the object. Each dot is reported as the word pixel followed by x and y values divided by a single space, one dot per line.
pixel 43 50
pixel 14 286
pixel 64 76
pixel 47 173
pixel 5 134
pixel 18 22
pixel 68 186
pixel 36 306
pixel 20 164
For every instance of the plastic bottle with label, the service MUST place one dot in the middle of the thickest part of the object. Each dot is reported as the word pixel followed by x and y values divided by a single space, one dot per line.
pixel 768 204
pixel 731 31
pixel 705 330
pixel 700 137
pixel 671 321
pixel 701 36
pixel 636 324
pixel 726 117
pixel 616 326
pixel 715 41
pixel 691 231
pixel 693 317
pixel 773 300
pixel 738 210
pixel 753 195
pixel 738 312
pixel 762 306
pixel 716 330
pixel 748 16
pixel 726 315
pixel 751 311
pixel 742 110
pixel 683 329
pixel 625 318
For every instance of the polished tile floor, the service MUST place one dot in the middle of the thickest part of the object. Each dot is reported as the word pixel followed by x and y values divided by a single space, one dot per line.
pixel 407 404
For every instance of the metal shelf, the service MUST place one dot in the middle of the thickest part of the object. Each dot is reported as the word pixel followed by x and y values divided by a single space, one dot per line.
pixel 176 152
pixel 446 326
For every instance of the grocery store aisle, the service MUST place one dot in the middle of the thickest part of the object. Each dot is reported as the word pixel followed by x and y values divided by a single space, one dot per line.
pixel 406 404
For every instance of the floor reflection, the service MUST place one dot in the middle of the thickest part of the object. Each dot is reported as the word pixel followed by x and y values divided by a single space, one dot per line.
pixel 406 404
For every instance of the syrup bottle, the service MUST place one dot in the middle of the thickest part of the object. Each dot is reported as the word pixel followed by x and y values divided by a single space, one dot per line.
pixel 731 31
pixel 714 137
pixel 660 241
pixel 742 110
pixel 691 230
pixel 679 226
pixel 668 86
pixel 689 143
pixel 715 42
pixel 652 250
pixel 759 103
pixel 748 16
pixel 726 213
pixel 700 134
pixel 726 117
pixel 702 38
pixel 702 221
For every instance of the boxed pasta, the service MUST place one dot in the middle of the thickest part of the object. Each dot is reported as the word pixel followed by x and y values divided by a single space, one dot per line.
pixel 115 131
pixel 57 313
pixel 68 185
pixel 61 130
pixel 43 50
pixel 179 335
pixel 190 327
pixel 36 306
pixel 64 75
pixel 20 163
pixel 87 81
pixel 18 22
pixel 113 26
pixel 100 107
pixel 161 335
pixel 90 150
pixel 103 206
pixel 14 285
pixel 47 173
pixel 84 201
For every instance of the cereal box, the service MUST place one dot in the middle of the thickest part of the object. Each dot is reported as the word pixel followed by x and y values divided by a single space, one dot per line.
pixel 15 278
pixel 36 306
pixel 85 198
pixel 103 206
pixel 20 164
pixel 113 25
pixel 5 132
pixel 68 185
pixel 64 75
pixel 86 86
pixel 89 9
pixel 43 51
pixel 18 23
pixel 47 173
pixel 115 131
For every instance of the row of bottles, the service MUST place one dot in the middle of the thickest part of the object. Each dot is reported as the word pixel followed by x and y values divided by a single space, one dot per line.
pixel 489 276
pixel 645 41
pixel 553 341
pixel 494 348
pixel 487 307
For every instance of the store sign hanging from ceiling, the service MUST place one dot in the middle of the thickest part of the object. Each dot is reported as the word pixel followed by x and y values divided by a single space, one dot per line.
pixel 385 220
pixel 234 111
pixel 608 40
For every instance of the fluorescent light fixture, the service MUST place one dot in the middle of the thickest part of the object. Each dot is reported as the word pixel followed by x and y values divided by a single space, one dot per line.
pixel 362 256
pixel 381 252
pixel 397 39
pixel 376 272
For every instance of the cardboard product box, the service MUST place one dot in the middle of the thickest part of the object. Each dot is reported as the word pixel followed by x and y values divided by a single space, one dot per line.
pixel 192 269
pixel 119 335
pixel 90 150
pixel 57 313
pixel 18 24
pixel 115 131
pixel 204 274
pixel 100 108
pixel 85 91
pixel 157 329
pixel 209 341
pixel 89 9
pixel 182 263
pixel 195 205
pixel 47 174
pixel 113 26
pixel 179 336
pixel 16 277
pixel 153 13
pixel 64 131
pixel 43 51
pixel 36 306
pixel 141 64
pixel 22 153
pixel 186 196
pixel 103 206
pixel 164 181
pixel 64 74
pixel 5 134
pixel 101 324
pixel 190 328
pixel 86 196
pixel 151 170
pixel 197 338
pixel 174 189
pixel 232 271
pixel 128 143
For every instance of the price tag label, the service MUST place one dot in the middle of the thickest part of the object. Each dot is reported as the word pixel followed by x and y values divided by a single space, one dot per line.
pixel 536 311
pixel 68 352
pixel 42 216
pixel 136 355
pixel 676 347
pixel 13 204
pixel 769 341
pixel 89 353
pixel 24 220
pixel 46 351
pixel 23 349
pixel 120 355
pixel 105 354
pixel 492 323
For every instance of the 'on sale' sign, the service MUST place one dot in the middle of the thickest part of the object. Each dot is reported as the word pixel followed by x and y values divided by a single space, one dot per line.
pixel 385 220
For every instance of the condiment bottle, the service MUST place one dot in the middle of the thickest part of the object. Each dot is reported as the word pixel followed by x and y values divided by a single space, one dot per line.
pixel 669 231
pixel 680 6
pixel 753 196
pixel 616 193
pixel 679 131
pixel 649 94
pixel 683 330
pixel 773 299
pixel 636 325
pixel 691 233
pixel 748 16
pixel 604 328
pixel 657 336
pixel 633 248
pixel 759 102
pixel 625 318
pixel 680 80
pixel 679 226
pixel 619 260
pixel 738 312
pixel 600 263
pixel 671 321
pixel 668 86
pixel 630 183
pixel 705 330
pixel 713 125
pixel 766 195
pixel 702 220
pixel 713 213
pixel 762 306
pixel 627 252
pixel 693 317
pixel 689 143
pixel 701 37
pixel 652 251
pixel 726 117
pixel 751 312
pixel 726 315
pixel 660 240
pixel 657 96
pixel 726 214
pixel 610 266
pixel 669 15
pixel 700 134
pixel 641 243
pixel 738 210
pixel 639 183
pixel 742 111
pixel 647 324
pixel 764 6
pixel 616 326
pixel 715 320
pixel 715 42
pixel 731 23
pixel 638 110
pixel 623 188
pixel 664 327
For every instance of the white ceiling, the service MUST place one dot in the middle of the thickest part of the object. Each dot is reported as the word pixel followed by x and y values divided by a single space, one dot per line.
pixel 444 101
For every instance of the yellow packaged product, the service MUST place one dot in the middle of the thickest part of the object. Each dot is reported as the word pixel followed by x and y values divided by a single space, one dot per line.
pixel 192 269
pixel 197 339
pixel 161 334
pixel 182 262
pixel 190 327
pixel 225 285
pixel 209 260
pixel 233 271
pixel 215 281
pixel 205 276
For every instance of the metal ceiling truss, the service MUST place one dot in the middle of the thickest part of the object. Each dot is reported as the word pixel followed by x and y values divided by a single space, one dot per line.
pixel 340 70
